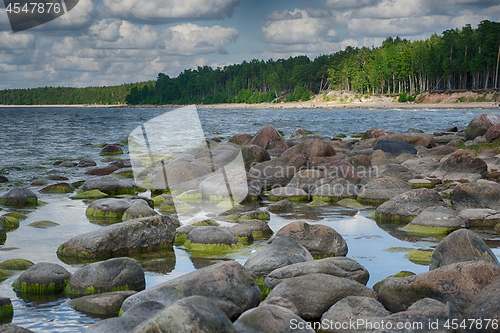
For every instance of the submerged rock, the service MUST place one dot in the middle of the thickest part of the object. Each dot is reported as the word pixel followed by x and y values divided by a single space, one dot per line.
pixel 282 206
pixel 104 305
pixel 111 184
pixel 211 240
pixel 437 220
pixel 19 197
pixel 42 278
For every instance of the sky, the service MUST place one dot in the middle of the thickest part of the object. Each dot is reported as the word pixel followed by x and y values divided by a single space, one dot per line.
pixel 111 42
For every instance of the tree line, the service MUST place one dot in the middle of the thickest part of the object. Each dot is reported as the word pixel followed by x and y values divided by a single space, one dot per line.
pixel 465 58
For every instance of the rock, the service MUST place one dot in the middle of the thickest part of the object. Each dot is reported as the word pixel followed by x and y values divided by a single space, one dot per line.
pixel 144 310
pixel 40 182
pixel 269 138
pixel 282 206
pixel 462 162
pixel 103 305
pixel 240 139
pixel 115 208
pixel 9 223
pixel 335 190
pixel 250 230
pixel 3 235
pixel 55 177
pixel 309 296
pixel 6 310
pixel 195 314
pixel 437 152
pixel 337 266
pixel 480 217
pixel 116 274
pixel 351 203
pixel 476 195
pixel 305 179
pixel 7 328
pixel 361 162
pixel 228 284
pixel 493 133
pixel 258 214
pixel 289 193
pixel 42 278
pixel 115 325
pixel 43 224
pixel 437 220
pixel 111 150
pixel 68 164
pixel 457 283
pixel 375 133
pixel 480 125
pixel 3 179
pixel 110 184
pixel 312 148
pixel 421 183
pixel 86 163
pixel 352 308
pixel 19 197
pixel 486 307
pixel 134 236
pixel 282 251
pixel 57 188
pixel 270 318
pixel 461 246
pixel 243 185
pixel 278 171
pixel 406 206
pixel 335 169
pixel 121 164
pixel 254 154
pixel 414 139
pixel 399 172
pixel 319 240
pixel 382 189
pixel 211 240
pixel 101 171
pixel 395 147
pixel 89 195
pixel 138 209
pixel 16 264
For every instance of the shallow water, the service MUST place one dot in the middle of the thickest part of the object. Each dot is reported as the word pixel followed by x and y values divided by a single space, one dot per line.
pixel 32 139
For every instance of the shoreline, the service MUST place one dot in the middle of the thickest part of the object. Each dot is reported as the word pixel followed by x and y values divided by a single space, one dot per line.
pixel 291 105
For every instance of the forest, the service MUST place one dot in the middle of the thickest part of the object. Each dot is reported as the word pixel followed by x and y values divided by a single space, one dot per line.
pixel 466 58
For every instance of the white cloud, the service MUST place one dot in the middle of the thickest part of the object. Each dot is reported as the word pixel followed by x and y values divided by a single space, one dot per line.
pixel 18 41
pixel 81 16
pixel 171 10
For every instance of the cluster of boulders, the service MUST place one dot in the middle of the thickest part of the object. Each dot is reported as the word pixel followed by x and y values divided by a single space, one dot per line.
pixel 440 184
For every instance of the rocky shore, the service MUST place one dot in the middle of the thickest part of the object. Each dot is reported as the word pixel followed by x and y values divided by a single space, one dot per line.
pixel 443 185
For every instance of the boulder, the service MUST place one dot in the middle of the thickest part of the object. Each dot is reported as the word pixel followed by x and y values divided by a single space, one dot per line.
pixel 361 162
pixel 305 179
pixel 243 185
pixel 111 275
pixel 101 171
pixel 211 239
pixel 278 171
pixel 194 314
pixel 58 188
pixel 102 305
pixel 181 176
pixel 493 133
pixel 3 179
pixel 476 195
pixel 375 133
pixel 352 308
pixel 395 147
pixel 250 230
pixel 144 310
pixel 254 154
pixel 240 139
pixel 312 148
pixel 134 236
pixel 282 206
pixel 42 278
pixel 282 251
pixel 8 223
pixel 114 208
pixel 457 283
pixel 228 284
pixel 270 318
pixel 437 220
pixel 437 152
pixel 461 246
pixel 19 197
pixel 461 162
pixel 111 150
pixel 486 307
pixel 289 193
pixel 269 138
pixel 415 139
pixel 480 125
pixel 319 240
pixel 6 310
pixel 16 264
pixel 7 328
pixel 335 190
pixel 138 209
pixel 399 172
pixel 309 296
pixel 480 217
pixel 382 189
pixel 86 163
pixel 335 169
pixel 111 184
pixel 115 325
pixel 338 266
pixel 406 206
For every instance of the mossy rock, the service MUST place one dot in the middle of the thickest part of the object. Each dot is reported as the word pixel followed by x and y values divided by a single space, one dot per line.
pixel 317 198
pixel 190 196
pixel 39 289
pixel 351 203
pixel 420 257
pixel 92 291
pixel 17 215
pixel 180 239
pixel 42 279
pixel 89 195
pixel 255 215
pixel 5 274
pixel 228 204
pixel 43 224
pixel 58 188
pixel 302 198
pixel 399 249
pixel 401 274
pixel 317 203
pixel 16 264
pixel 205 223
pixel 9 223
pixel 101 215
pixel 392 218
pixel 212 248
pixel 6 310
pixel 420 230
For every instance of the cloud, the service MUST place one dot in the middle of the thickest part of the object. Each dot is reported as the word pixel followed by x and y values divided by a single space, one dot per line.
pixel 163 11
pixel 81 16
pixel 16 41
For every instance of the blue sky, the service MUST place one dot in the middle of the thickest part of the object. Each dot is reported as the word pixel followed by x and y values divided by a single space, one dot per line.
pixel 110 42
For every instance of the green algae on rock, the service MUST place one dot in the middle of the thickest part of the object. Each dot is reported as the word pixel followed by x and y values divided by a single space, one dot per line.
pixel 9 223
pixel 6 309
pixel 42 278
pixel 58 188
pixel 19 197
pixel 43 224
pixel 16 264
pixel 89 195
pixel 420 256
